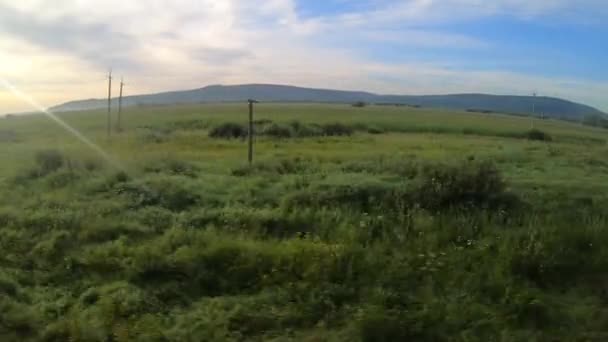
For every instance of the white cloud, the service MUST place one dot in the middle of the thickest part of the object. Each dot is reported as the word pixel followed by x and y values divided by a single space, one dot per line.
pixel 430 11
pixel 60 50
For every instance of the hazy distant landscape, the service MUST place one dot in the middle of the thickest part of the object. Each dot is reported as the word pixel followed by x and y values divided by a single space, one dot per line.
pixel 528 105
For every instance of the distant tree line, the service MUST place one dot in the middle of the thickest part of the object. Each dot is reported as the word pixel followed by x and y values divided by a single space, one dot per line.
pixel 596 121
pixel 361 104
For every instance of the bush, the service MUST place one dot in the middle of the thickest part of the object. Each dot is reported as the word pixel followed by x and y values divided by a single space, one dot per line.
pixel 49 161
pixel 407 168
pixel 278 131
pixel 470 185
pixel 302 130
pixel 375 130
pixel 190 125
pixel 103 231
pixel 336 129
pixel 8 136
pixel 164 193
pixel 381 326
pixel 174 195
pixel 8 286
pixel 62 179
pixel 140 195
pixel 18 322
pixel 545 256
pixel 172 166
pixel 262 122
pixel 92 165
pixel 359 104
pixel 290 130
pixel 537 135
pixel 229 130
pixel 156 136
pixel 362 194
pixel 284 166
pixel 157 218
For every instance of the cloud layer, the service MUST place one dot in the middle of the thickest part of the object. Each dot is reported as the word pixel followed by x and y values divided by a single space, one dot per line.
pixel 61 50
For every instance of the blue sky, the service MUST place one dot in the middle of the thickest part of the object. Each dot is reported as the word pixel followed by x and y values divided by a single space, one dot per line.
pixel 551 44
pixel 57 51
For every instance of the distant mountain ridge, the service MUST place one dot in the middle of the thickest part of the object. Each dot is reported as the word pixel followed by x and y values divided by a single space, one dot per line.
pixel 525 105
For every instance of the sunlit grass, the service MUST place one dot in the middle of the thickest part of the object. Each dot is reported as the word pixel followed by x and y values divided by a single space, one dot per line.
pixel 441 226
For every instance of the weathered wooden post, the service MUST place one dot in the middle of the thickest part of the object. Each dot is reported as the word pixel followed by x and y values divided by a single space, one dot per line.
pixel 250 156
pixel 109 104
pixel 119 119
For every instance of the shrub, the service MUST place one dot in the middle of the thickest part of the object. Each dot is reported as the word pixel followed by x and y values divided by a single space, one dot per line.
pixel 229 130
pixel 18 322
pixel 9 216
pixel 303 130
pixel 262 122
pixel 140 195
pixel 92 165
pixel 361 194
pixel 174 196
pixel 8 286
pixel 543 256
pixel 278 131
pixel 102 231
pixel 375 130
pixel 190 125
pixel 172 166
pixel 537 135
pixel 62 179
pixel 404 167
pixel 49 161
pixel 265 223
pixel 336 129
pixel 156 136
pixel 8 136
pixel 359 104
pixel 381 326
pixel 120 177
pixel 470 185
pixel 164 192
pixel 155 217
pixel 283 166
pixel 45 219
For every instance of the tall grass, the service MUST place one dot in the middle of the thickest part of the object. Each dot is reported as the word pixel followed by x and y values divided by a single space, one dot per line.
pixel 432 236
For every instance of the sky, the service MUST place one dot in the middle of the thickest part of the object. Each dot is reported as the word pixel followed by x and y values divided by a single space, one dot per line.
pixel 62 50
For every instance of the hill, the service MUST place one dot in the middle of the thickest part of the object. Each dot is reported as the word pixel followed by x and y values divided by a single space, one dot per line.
pixel 547 106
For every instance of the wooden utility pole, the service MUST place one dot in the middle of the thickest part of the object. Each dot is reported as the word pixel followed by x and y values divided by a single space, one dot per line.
pixel 119 119
pixel 250 156
pixel 109 104
pixel 533 109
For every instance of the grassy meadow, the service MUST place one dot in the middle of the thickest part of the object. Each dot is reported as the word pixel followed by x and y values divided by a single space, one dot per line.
pixel 353 224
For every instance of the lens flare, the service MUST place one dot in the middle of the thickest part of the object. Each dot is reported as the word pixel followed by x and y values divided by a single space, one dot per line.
pixel 37 106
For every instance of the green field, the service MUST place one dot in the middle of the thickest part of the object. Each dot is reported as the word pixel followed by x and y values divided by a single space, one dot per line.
pixel 353 224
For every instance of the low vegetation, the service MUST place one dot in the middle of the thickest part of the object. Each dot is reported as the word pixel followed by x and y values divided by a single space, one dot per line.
pixel 294 129
pixel 538 135
pixel 596 121
pixel 341 230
